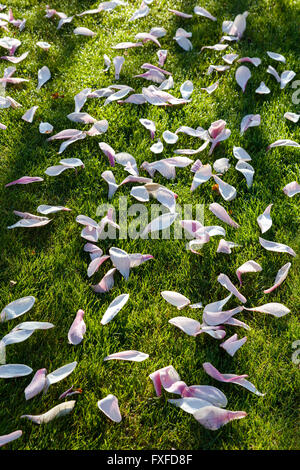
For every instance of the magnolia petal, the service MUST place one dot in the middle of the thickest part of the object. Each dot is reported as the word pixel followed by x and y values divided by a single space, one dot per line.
pixel 118 63
pixel 202 12
pixel 283 143
pixel 95 264
pixel 170 137
pixel 77 329
pixel 217 68
pixel 184 43
pixel 176 299
pixel 127 45
pixel 226 282
pixel 37 384
pixel 162 56
pixel 116 305
pixel 10 371
pixel 29 115
pixel 215 318
pixel 214 418
pixel 234 322
pixel 59 410
pixel 253 60
pixel 135 356
pixel 247 170
pixel 232 344
pixel 15 60
pixel 188 325
pixel 263 89
pixel 166 377
pixel 274 308
pixel 292 116
pixel 186 89
pixel 226 246
pixel 160 223
pixel 189 404
pixel 210 89
pixel 227 191
pixel 241 154
pixel 17 308
pixel 242 76
pixel 106 283
pixel 286 77
pixel 273 72
pixel 206 392
pixel 248 267
pixel 215 47
pixel 83 32
pixel 201 176
pixel 274 246
pixel 45 128
pixel 25 180
pixel 108 151
pixel 43 76
pixel 230 58
pixel 221 213
pixel 150 125
pixel 120 260
pixel 108 176
pixel 221 165
pixel 59 374
pixel 140 13
pixel 250 120
pixel 110 407
pixel 17 336
pixel 140 193
pixel 33 325
pixel 6 438
pixel 264 220
pixel 280 277
pixel 291 189
pixel 275 56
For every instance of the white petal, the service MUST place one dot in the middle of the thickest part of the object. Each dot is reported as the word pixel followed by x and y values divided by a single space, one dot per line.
pixel 176 299
pixel 109 406
pixel 114 308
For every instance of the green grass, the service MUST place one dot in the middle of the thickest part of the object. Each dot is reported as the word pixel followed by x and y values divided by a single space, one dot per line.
pixel 50 264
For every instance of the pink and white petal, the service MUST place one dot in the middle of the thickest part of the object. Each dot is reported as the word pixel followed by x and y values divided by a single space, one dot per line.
pixel 232 344
pixel 176 299
pixel 280 277
pixel 120 260
pixel 292 189
pixel 278 247
pixel 106 283
pixel 274 308
pixel 77 329
pixel 36 385
pixel 135 356
pixel 188 325
pixel 56 412
pixel 221 213
pixel 248 267
pixel 6 438
pixel 113 309
pixel 226 282
pixel 213 418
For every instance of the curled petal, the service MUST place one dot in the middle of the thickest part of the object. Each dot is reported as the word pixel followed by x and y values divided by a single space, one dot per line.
pixel 226 282
pixel 248 267
pixel 106 283
pixel 232 344
pixel 273 308
pixel 188 325
pixel 56 412
pixel 291 189
pixel 214 418
pixel 116 305
pixel 77 329
pixel 36 385
pixel 220 212
pixel 280 277
pixel 5 439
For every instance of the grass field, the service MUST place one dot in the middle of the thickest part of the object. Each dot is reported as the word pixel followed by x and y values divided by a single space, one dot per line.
pixel 49 262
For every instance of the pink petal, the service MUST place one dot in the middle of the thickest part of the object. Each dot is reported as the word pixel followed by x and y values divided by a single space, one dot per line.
pixel 36 385
pixel 120 260
pixel 248 267
pixel 280 277
pixel 274 246
pixel 29 115
pixel 273 308
pixel 106 283
pixel 176 299
pixel 283 143
pixel 252 60
pixel 202 12
pixel 225 246
pixel 206 392
pixel 135 356
pixel 291 189
pixel 214 418
pixel 77 329
pixel 213 318
pixel 232 344
pixel 108 151
pixel 95 264
pixel 242 76
pixel 166 377
pixel 110 407
pixel 226 282
pixel 118 63
pixel 250 120
pixel 25 180
pixel 188 325
pixel 221 213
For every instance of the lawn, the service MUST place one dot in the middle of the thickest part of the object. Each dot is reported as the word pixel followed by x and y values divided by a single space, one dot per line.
pixel 50 264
